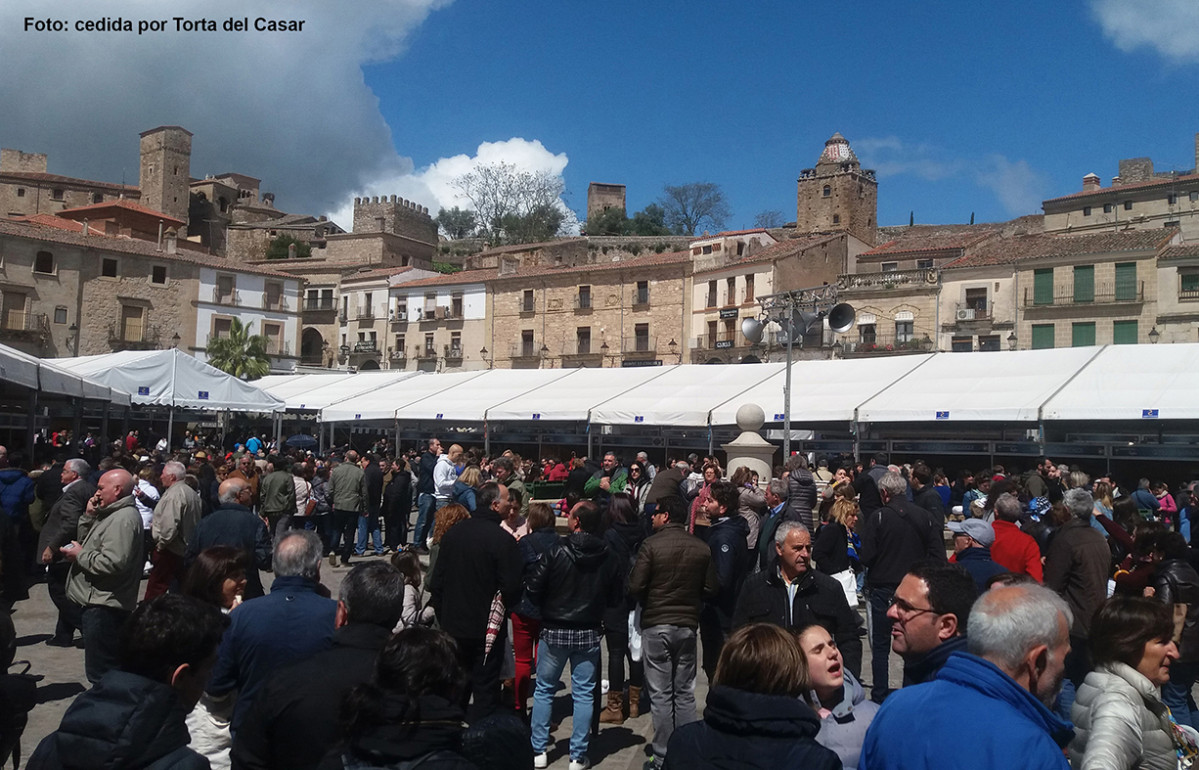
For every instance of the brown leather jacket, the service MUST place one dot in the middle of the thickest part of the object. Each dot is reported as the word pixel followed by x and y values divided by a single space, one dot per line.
pixel 672 576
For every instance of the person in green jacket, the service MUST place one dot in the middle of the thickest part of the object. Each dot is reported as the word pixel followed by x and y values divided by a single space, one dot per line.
pixel 610 479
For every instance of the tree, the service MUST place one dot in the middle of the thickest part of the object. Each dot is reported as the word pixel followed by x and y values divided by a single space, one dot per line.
pixel 770 218
pixel 456 223
pixel 241 354
pixel 512 206
pixel 693 205
pixel 608 222
pixel 651 220
pixel 279 248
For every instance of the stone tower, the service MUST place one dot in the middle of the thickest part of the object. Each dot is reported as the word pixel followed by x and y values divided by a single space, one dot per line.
pixel 394 215
pixel 165 173
pixel 601 197
pixel 838 195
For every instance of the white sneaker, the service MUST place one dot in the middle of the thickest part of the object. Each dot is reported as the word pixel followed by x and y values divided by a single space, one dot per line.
pixel 541 760
pixel 584 764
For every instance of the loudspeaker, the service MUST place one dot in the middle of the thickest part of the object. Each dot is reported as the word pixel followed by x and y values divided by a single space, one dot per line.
pixel 751 329
pixel 841 317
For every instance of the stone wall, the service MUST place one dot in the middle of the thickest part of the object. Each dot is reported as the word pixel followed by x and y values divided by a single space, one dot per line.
pixel 15 160
pixel 1136 170
pixel 394 215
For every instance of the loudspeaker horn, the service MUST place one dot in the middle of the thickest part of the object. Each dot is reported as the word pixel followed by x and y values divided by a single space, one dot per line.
pixel 805 320
pixel 841 317
pixel 751 329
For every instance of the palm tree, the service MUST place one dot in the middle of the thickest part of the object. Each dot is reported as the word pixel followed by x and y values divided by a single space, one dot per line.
pixel 241 354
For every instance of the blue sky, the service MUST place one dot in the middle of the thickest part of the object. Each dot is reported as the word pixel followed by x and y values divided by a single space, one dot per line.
pixel 987 108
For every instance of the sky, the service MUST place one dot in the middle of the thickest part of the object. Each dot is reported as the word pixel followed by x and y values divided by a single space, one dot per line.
pixel 962 109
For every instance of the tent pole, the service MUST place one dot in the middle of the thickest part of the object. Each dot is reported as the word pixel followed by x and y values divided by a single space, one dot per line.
pixel 589 438
pixel 486 440
pixel 170 426
pixel 104 424
pixel 396 448
pixel 32 425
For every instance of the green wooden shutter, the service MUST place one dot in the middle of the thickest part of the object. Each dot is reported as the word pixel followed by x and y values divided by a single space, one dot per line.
pixel 1042 336
pixel 1124 332
pixel 1084 283
pixel 1042 286
pixel 1083 334
pixel 1126 282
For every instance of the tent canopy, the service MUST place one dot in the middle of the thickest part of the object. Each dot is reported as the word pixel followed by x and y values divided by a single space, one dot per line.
pixel 682 395
pixel 171 378
pixel 381 403
pixel 282 386
pixel 28 371
pixel 469 402
pixel 1132 382
pixel 326 391
pixel 569 399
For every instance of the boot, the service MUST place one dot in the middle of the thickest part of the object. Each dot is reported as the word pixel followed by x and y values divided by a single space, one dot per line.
pixel 614 713
pixel 634 702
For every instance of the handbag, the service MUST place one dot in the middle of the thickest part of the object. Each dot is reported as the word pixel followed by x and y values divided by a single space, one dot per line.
pixel 308 509
pixel 849 584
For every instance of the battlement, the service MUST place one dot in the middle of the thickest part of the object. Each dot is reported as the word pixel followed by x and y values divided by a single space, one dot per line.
pixel 394 215
pixel 29 162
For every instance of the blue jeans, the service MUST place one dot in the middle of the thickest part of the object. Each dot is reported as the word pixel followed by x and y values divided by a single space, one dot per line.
pixel 369 523
pixel 880 642
pixel 425 502
pixel 1176 693
pixel 584 665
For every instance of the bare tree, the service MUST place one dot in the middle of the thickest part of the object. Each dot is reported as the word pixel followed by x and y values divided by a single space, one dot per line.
pixel 511 205
pixel 770 218
pixel 694 205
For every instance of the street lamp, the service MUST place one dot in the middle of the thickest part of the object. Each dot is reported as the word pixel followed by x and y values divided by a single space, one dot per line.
pixel 175 340
pixel 797 312
pixel 1154 335
pixel 1011 341
pixel 74 330
pixel 483 355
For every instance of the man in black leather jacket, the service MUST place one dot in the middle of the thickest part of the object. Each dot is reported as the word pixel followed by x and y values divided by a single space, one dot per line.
pixel 575 581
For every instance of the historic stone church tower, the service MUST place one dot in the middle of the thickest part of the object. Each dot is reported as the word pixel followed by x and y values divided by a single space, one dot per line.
pixel 165 175
pixel 838 195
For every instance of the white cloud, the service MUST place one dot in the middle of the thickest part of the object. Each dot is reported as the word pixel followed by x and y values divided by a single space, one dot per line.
pixel 290 108
pixel 432 186
pixel 1171 27
pixel 1018 187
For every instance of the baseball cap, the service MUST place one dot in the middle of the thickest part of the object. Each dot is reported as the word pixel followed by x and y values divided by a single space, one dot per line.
pixel 977 529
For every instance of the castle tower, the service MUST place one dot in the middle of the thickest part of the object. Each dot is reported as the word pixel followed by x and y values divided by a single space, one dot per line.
pixel 838 195
pixel 601 197
pixel 166 170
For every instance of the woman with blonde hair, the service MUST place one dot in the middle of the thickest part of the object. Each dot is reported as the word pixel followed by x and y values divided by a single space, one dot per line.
pixel 756 715
pixel 835 549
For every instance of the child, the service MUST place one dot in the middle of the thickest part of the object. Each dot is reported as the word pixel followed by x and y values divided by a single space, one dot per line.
pixel 414 614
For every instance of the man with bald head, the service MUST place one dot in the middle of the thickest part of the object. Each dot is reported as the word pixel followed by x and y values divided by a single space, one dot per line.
pixel 175 519
pixel 61 527
pixel 234 524
pixel 106 569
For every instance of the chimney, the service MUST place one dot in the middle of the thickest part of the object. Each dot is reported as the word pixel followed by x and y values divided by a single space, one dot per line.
pixel 1117 181
pixel 171 241
pixel 1091 182
pixel 291 250
pixel 85 227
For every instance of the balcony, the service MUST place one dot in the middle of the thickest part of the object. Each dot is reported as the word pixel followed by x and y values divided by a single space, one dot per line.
pixel 923 278
pixel 453 352
pixel 1188 295
pixel 399 316
pixel 366 314
pixel 639 345
pixel 721 341
pixel 366 346
pixel 885 344
pixel 975 311
pixel 228 298
pixel 1101 294
pixel 398 358
pixel 583 303
pixel 582 351
pixel 319 305
pixel 19 326
pixel 132 338
pixel 427 353
pixel 525 351
pixel 274 303
pixel 278 349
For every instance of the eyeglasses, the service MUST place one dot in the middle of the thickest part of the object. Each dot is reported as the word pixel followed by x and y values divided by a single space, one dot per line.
pixel 905 610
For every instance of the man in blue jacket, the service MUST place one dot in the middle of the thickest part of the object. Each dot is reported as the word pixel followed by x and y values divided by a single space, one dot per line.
pixel 998 692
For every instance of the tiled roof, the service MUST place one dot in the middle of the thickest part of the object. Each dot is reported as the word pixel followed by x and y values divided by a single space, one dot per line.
pixel 127 205
pixel 370 275
pixel 1147 184
pixel 282 222
pixel 928 239
pixel 50 234
pixel 36 176
pixel 1181 250
pixel 1008 250
pixel 728 233
pixel 49 220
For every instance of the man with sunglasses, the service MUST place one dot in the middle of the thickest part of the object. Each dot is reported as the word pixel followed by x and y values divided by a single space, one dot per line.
pixel 929 612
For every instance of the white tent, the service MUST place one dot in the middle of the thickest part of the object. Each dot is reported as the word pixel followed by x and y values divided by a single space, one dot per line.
pixel 325 391
pixel 470 400
pixel 821 391
pixel 281 386
pixel 571 398
pixel 381 404
pixel 682 395
pixel 993 386
pixel 1132 382
pixel 23 369
pixel 171 378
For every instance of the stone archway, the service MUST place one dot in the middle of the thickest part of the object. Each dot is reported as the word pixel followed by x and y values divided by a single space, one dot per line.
pixel 312 348
pixel 369 365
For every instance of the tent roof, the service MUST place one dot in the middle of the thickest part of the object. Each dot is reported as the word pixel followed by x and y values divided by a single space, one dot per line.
pixel 382 403
pixel 821 391
pixel 326 391
pixel 470 400
pixel 571 398
pixel 29 371
pixel 682 395
pixel 1131 382
pixel 990 386
pixel 283 385
pixel 171 378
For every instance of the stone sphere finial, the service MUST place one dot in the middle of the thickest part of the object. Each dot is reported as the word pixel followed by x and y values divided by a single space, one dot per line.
pixel 750 417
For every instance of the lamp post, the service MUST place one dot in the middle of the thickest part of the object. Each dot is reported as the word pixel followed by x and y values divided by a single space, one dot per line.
pixel 1011 341
pixel 483 355
pixel 175 340
pixel 74 330
pixel 1154 336
pixel 797 312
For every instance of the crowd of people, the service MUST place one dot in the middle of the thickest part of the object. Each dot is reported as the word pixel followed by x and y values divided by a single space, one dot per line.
pixel 1043 612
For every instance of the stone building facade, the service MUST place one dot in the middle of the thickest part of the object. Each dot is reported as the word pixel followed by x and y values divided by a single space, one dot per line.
pixel 440 323
pixel 26 189
pixel 601 197
pixel 838 195
pixel 165 170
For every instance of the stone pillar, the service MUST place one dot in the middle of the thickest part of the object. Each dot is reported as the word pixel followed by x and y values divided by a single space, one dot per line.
pixel 750 449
